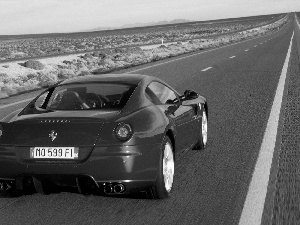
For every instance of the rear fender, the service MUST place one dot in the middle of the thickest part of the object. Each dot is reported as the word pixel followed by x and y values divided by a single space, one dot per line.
pixel 148 124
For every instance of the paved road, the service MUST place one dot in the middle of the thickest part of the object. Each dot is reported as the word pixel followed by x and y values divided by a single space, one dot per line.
pixel 239 82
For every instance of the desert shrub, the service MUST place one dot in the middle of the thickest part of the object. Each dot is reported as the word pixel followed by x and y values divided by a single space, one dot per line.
pixel 121 64
pixel 10 88
pixel 91 61
pixel 62 66
pixel 88 56
pixel 15 88
pixel 20 89
pixel 96 54
pixel 117 56
pixel 107 63
pixel 109 57
pixel 83 72
pixel 81 66
pixel 3 75
pixel 33 64
pixel 120 50
pixel 67 62
pixel 99 70
pixel 65 73
pixel 99 54
pixel 18 80
pixel 46 79
pixel 134 49
pixel 156 57
pixel 63 50
pixel 72 67
pixel 31 76
pixel 3 95
pixel 1 91
pixel 4 78
pixel 30 85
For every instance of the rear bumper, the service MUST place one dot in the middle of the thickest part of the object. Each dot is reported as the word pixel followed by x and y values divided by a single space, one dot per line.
pixel 134 166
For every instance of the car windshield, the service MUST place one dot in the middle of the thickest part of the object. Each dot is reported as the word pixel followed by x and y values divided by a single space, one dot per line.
pixel 89 96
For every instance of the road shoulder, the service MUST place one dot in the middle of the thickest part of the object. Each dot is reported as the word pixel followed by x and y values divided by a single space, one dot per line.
pixel 282 200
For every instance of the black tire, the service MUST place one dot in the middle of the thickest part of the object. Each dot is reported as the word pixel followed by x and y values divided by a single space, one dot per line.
pixel 159 190
pixel 201 144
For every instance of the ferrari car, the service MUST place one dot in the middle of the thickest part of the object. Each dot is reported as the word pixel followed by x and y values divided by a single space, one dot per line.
pixel 111 134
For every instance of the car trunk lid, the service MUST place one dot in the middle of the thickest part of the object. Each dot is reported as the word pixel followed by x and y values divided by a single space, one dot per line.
pixel 58 130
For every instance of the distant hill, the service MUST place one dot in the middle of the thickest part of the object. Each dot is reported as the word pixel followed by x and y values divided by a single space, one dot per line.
pixel 164 22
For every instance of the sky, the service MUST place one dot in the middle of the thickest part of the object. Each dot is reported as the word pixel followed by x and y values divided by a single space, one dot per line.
pixel 63 16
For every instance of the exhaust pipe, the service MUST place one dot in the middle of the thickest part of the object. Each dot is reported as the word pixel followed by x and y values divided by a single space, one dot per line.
pixel 4 186
pixel 108 189
pixel 119 188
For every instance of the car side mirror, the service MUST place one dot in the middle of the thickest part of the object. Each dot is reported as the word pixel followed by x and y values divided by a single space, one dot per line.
pixel 189 95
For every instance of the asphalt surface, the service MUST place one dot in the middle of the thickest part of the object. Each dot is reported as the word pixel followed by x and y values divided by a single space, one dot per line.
pixel 239 82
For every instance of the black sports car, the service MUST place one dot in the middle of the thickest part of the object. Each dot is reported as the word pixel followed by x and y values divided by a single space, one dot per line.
pixel 105 134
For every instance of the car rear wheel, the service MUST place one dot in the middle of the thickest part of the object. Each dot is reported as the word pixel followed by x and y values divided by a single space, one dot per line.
pixel 202 141
pixel 165 177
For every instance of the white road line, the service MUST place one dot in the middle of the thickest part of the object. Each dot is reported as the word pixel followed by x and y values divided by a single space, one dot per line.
pixel 232 57
pixel 208 68
pixel 255 46
pixel 246 50
pixel 298 23
pixel 15 103
pixel 158 64
pixel 254 204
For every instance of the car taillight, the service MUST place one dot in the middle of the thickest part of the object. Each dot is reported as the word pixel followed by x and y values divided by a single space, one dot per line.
pixel 1 130
pixel 123 131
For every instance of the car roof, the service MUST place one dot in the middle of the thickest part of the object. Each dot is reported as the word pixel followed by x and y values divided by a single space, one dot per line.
pixel 120 78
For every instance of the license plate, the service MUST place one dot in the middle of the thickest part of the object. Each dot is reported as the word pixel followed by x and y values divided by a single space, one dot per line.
pixel 54 152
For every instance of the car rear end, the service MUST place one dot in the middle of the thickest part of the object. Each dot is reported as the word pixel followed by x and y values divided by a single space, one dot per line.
pixel 75 152
pixel 98 145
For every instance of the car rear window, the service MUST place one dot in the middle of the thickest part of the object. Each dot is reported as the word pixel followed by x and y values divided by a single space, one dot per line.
pixel 90 96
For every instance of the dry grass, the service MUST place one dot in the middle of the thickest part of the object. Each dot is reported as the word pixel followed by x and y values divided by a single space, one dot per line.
pixel 16 78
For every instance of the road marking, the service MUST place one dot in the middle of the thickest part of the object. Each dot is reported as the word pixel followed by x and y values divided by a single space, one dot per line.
pixel 208 68
pixel 261 43
pixel 232 57
pixel 254 204
pixel 173 60
pixel 246 50
pixel 255 46
pixel 15 103
pixel 210 50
